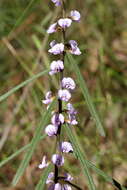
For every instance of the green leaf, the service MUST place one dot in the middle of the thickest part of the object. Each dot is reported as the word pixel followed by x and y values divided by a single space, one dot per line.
pixel 2 163
pixel 23 15
pixel 105 176
pixel 80 157
pixel 78 149
pixel 4 96
pixel 34 143
pixel 86 95
pixel 41 184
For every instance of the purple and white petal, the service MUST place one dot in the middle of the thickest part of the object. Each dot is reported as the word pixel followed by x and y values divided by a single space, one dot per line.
pixel 64 95
pixel 57 2
pixel 57 49
pixel 68 83
pixel 64 22
pixel 57 119
pixel 48 98
pixel 43 164
pixel 58 186
pixel 49 179
pixel 74 48
pixel 52 43
pixel 56 66
pixel 71 109
pixel 75 15
pixel 58 159
pixel 72 121
pixel 51 130
pixel 52 28
pixel 66 187
pixel 66 147
pixel 75 51
pixel 71 114
pixel 68 177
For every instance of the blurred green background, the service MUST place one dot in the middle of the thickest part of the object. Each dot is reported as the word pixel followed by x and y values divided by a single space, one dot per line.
pixel 102 37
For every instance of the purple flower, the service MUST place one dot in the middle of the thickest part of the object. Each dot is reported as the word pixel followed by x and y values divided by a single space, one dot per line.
pixel 56 66
pixel 68 177
pixel 66 187
pixel 51 130
pixel 56 49
pixel 75 15
pixel 59 186
pixel 68 83
pixel 43 163
pixel 57 2
pixel 49 179
pixel 56 186
pixel 66 147
pixel 64 22
pixel 74 47
pixel 71 109
pixel 58 159
pixel 57 119
pixel 48 98
pixel 64 95
pixel 52 28
pixel 52 43
pixel 72 120
pixel 71 114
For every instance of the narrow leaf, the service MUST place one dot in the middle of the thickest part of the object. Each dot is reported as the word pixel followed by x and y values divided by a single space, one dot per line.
pixel 4 96
pixel 81 158
pixel 74 139
pixel 86 95
pixel 2 163
pixel 34 143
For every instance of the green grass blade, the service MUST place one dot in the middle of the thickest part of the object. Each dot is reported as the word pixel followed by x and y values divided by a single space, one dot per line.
pixel 41 184
pixel 86 95
pixel 77 146
pixel 80 157
pixel 2 163
pixel 7 94
pixel 23 15
pixel 34 143
pixel 105 176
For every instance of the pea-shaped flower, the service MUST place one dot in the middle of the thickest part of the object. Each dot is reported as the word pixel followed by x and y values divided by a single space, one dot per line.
pixel 64 95
pixel 56 186
pixel 56 66
pixel 71 115
pixel 74 47
pixel 64 22
pixel 57 119
pixel 68 177
pixel 56 49
pixel 58 159
pixel 66 147
pixel 51 130
pixel 43 163
pixel 75 15
pixel 57 2
pixel 52 28
pixel 68 83
pixel 48 98
pixel 49 179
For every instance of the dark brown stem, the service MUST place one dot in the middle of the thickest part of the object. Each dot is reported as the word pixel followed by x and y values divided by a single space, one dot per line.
pixel 56 174
pixel 60 101
pixel 68 182
pixel 73 185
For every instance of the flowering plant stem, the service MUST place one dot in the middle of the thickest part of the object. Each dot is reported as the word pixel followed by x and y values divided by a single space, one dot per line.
pixel 61 115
